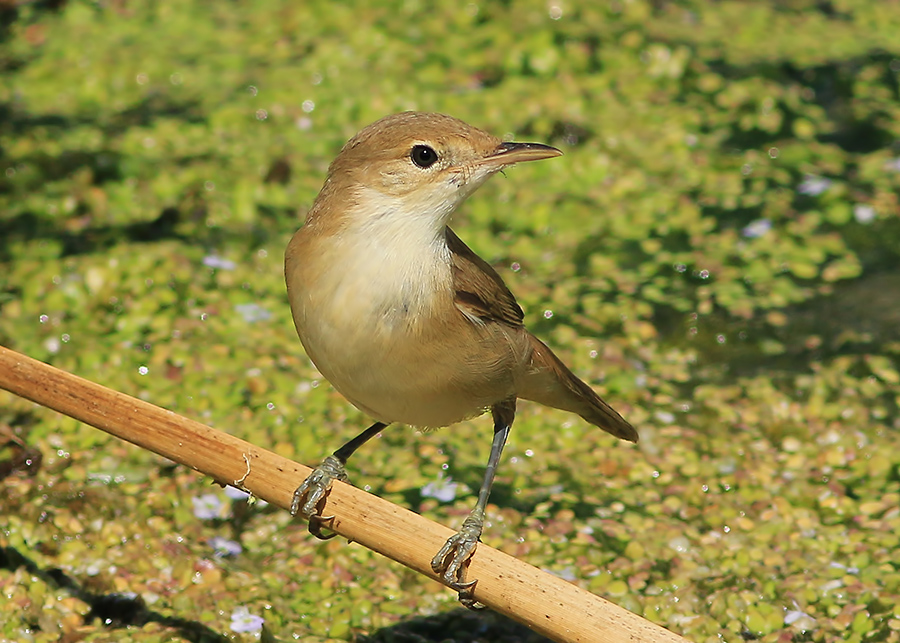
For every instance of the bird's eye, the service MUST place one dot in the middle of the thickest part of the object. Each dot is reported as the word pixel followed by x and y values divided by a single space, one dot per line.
pixel 423 156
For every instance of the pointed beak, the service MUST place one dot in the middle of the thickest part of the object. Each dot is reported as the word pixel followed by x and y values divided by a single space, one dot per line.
pixel 508 153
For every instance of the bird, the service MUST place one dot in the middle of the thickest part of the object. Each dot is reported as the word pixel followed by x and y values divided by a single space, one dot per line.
pixel 405 320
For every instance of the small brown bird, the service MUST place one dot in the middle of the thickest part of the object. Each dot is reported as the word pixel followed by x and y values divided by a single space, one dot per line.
pixel 405 320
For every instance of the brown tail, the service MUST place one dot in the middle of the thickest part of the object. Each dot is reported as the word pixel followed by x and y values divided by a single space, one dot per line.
pixel 551 383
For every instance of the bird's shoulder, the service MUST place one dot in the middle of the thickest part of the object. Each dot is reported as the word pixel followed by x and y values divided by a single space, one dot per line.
pixel 479 292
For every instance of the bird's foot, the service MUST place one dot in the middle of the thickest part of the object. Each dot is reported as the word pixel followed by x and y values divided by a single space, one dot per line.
pixel 312 492
pixel 449 562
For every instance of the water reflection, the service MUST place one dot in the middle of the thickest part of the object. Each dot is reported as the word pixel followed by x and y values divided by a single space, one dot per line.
pixel 861 316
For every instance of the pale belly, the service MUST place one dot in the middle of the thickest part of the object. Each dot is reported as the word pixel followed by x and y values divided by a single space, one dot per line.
pixel 378 319
pixel 402 373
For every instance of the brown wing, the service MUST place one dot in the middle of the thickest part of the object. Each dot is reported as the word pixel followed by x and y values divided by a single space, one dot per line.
pixel 478 290
pixel 480 294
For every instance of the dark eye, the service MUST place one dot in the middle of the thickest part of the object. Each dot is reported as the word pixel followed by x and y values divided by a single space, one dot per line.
pixel 423 156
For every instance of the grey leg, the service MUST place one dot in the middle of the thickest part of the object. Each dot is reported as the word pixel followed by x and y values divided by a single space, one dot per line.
pixel 313 490
pixel 450 560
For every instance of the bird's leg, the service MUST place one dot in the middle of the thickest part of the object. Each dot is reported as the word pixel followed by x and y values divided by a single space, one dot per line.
pixel 450 560
pixel 309 494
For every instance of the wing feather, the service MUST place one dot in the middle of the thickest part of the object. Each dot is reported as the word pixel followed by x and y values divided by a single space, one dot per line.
pixel 479 292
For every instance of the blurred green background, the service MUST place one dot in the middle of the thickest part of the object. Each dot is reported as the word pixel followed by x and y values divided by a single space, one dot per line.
pixel 718 253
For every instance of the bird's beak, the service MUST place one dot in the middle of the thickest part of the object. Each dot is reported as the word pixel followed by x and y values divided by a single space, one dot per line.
pixel 508 153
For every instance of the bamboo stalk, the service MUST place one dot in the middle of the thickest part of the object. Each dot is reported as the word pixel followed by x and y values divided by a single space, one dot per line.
pixel 547 604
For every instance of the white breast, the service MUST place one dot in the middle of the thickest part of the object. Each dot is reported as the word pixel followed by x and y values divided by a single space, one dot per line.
pixel 367 311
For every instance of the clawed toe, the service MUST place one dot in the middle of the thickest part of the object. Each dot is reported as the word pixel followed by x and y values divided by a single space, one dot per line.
pixel 467 600
pixel 449 563
pixel 309 496
pixel 465 593
pixel 316 523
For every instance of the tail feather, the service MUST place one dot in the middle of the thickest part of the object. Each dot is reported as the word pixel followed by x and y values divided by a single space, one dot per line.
pixel 551 383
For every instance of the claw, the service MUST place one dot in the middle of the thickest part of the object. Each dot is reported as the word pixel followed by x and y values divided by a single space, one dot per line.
pixel 449 562
pixel 467 599
pixel 315 526
pixel 312 492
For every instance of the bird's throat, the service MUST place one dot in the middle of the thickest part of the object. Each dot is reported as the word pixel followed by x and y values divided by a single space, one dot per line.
pixel 394 264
